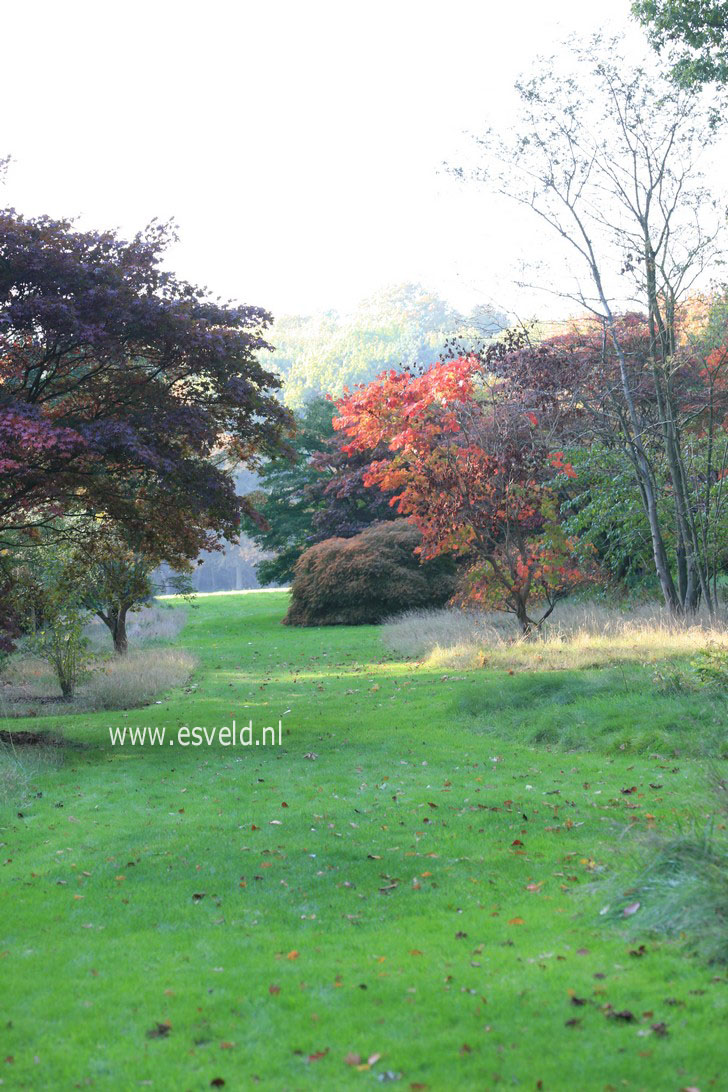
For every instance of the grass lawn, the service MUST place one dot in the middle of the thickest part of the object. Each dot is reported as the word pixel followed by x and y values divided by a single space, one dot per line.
pixel 419 902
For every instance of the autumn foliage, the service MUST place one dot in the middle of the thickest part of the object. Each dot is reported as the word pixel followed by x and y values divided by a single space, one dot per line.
pixel 364 579
pixel 472 467
pixel 662 402
pixel 124 390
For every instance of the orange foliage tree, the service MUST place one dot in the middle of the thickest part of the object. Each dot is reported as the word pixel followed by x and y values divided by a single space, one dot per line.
pixel 472 466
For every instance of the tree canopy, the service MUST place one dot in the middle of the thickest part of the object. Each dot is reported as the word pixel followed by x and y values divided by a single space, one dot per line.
pixel 319 494
pixel 124 391
pixel 610 159
pixel 471 462
pixel 693 34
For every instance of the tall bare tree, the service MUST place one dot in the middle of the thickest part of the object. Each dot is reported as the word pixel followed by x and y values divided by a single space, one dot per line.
pixel 609 157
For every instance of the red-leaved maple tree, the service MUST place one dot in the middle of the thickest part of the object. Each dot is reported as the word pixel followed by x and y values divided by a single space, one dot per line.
pixel 473 468
pixel 665 408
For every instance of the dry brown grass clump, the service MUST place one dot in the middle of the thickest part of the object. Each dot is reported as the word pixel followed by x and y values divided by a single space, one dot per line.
pixel 576 636
pixel 29 687
pixel 143 626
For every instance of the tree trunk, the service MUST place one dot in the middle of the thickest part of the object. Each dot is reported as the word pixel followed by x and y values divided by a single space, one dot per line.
pixel 640 462
pixel 528 626
pixel 115 622
pixel 659 553
pixel 693 582
pixel 121 644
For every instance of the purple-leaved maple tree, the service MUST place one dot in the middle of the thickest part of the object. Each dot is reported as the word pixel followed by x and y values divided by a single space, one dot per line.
pixel 125 392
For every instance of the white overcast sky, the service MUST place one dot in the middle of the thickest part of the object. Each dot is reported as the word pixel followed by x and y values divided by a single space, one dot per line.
pixel 296 144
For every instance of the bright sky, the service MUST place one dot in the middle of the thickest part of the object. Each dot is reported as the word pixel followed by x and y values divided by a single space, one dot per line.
pixel 297 144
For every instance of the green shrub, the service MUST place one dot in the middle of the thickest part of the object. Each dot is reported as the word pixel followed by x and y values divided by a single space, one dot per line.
pixel 61 642
pixel 362 580
pixel 707 670
pixel 711 667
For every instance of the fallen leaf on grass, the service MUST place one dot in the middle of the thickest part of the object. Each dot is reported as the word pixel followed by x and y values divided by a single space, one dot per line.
pixel 516 921
pixel 274 989
pixel 318 1055
pixel 159 1031
pixel 631 909
pixel 352 1059
pixel 293 955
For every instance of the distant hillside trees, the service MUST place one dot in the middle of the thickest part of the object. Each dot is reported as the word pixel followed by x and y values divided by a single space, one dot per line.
pixel 321 354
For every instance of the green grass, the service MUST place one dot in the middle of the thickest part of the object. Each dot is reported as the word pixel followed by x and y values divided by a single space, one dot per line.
pixel 385 910
pixel 607 710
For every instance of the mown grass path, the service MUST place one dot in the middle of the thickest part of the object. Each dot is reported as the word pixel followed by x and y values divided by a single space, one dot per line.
pixel 420 893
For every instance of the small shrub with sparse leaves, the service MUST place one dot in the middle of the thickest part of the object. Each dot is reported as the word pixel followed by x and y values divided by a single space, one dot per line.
pixel 673 680
pixel 61 642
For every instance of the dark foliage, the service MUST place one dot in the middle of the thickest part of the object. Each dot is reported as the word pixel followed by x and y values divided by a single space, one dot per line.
pixel 285 496
pixel 346 506
pixel 362 580
pixel 123 389
pixel 317 495
pixel 10 628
